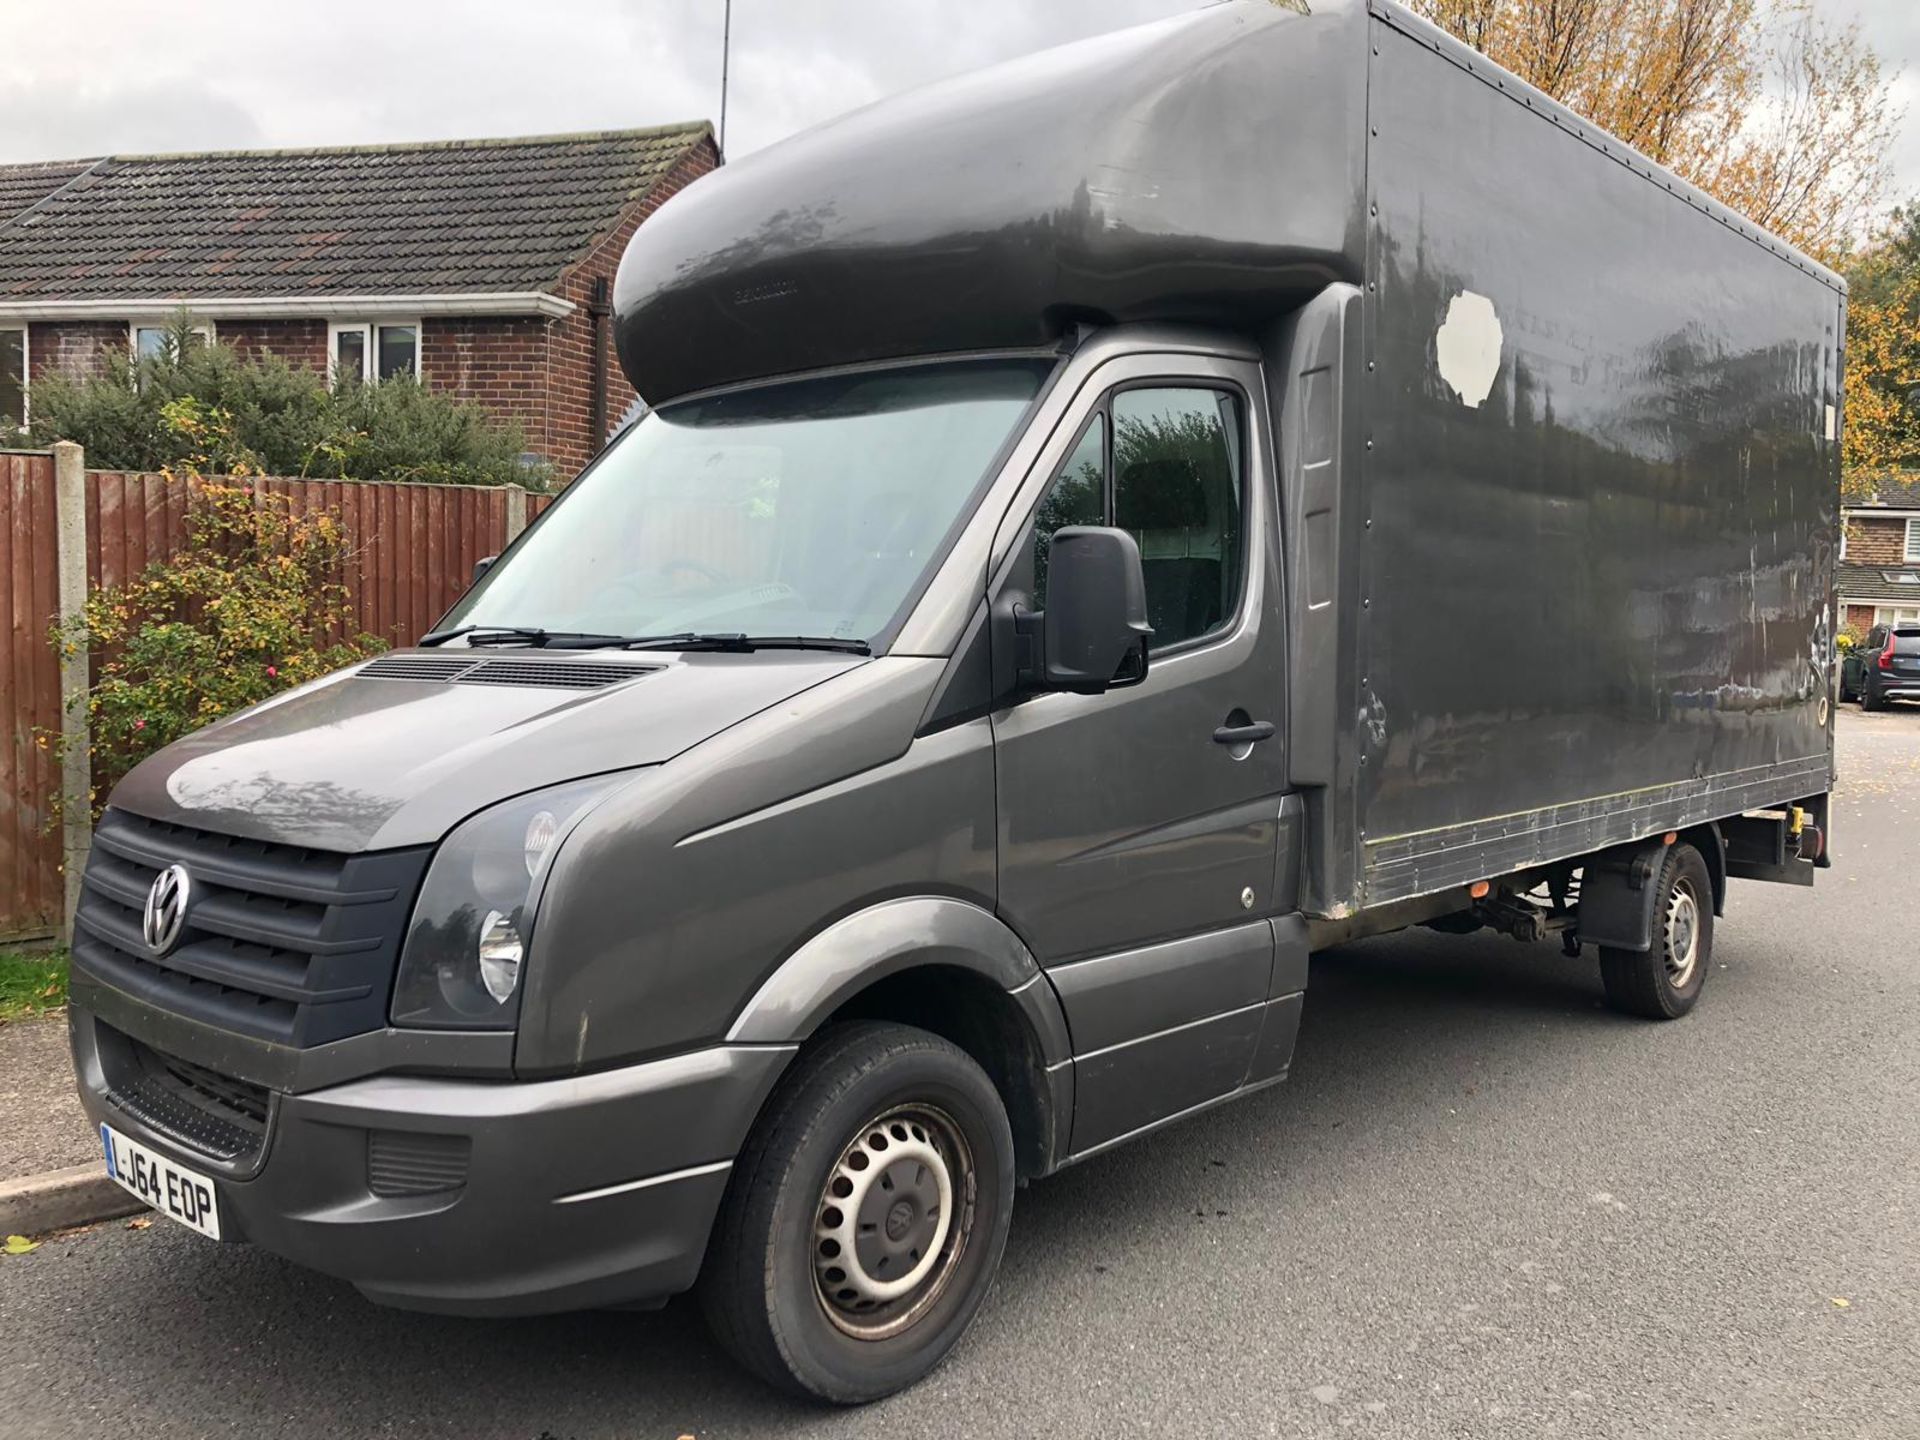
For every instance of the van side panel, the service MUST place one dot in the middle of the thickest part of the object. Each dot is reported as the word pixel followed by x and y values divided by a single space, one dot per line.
pixel 1600 489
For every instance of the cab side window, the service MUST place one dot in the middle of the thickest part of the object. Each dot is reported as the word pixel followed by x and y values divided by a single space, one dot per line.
pixel 1164 463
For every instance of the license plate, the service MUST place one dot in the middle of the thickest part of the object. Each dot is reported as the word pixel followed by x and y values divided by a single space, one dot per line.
pixel 175 1191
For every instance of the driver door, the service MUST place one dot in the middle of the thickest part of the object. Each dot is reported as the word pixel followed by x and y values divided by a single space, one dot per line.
pixel 1138 828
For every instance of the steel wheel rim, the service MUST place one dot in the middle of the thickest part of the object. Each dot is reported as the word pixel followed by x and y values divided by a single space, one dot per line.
pixel 892 1221
pixel 1683 934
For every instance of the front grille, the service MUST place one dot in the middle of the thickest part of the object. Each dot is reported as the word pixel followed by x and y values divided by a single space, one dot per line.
pixel 282 943
pixel 401 1163
pixel 201 1108
pixel 536 674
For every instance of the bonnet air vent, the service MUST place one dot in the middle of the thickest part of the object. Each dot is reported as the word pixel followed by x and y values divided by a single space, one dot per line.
pixel 417 667
pixel 552 674
pixel 539 674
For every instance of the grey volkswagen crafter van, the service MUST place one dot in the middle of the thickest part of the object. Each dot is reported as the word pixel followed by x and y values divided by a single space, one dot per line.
pixel 1109 526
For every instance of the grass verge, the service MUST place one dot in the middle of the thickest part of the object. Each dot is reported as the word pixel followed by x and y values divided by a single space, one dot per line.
pixel 31 981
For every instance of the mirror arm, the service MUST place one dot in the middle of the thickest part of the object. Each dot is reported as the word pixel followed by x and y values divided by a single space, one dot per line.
pixel 1030 648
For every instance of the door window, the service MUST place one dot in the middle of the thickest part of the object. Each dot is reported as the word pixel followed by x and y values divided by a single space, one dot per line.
pixel 1162 462
pixel 1078 496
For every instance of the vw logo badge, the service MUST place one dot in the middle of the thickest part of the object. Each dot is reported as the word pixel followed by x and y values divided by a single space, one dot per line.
pixel 166 909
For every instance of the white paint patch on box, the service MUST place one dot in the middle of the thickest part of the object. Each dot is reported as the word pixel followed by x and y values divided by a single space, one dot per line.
pixel 1468 348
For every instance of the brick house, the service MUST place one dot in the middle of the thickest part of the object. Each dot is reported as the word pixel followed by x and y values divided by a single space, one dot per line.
pixel 482 266
pixel 1879 575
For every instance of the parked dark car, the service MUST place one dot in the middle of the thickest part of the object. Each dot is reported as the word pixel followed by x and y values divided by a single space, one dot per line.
pixel 1885 667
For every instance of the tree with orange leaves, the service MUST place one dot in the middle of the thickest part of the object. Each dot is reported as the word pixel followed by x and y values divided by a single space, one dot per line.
pixel 1778 114
pixel 1882 436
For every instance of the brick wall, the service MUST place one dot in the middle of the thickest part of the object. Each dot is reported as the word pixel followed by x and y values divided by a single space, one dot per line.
pixel 298 342
pixel 73 348
pixel 499 364
pixel 1857 618
pixel 1876 540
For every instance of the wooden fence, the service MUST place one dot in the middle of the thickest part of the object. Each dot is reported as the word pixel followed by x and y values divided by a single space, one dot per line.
pixel 30 882
pixel 411 552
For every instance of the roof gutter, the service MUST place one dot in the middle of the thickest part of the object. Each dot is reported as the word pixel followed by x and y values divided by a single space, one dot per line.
pixel 293 307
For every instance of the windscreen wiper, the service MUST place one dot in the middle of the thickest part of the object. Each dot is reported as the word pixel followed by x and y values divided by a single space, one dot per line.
pixel 740 643
pixel 488 635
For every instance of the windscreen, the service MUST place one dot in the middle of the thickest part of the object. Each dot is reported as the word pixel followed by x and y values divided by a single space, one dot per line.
pixel 1904 642
pixel 808 508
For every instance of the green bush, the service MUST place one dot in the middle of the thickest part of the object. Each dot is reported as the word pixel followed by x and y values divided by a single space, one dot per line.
pixel 242 612
pixel 250 605
pixel 280 420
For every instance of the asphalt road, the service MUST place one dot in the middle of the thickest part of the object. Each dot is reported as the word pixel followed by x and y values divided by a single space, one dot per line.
pixel 1483 1206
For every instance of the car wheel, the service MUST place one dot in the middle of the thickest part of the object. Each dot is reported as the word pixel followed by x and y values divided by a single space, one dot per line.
pixel 865 1217
pixel 1869 700
pixel 1664 981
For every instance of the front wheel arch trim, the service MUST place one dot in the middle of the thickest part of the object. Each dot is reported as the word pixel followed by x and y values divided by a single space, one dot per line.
pixel 886 939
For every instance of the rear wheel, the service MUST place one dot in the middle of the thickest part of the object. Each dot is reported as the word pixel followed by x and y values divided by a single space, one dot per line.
pixel 1664 981
pixel 1869 700
pixel 865 1218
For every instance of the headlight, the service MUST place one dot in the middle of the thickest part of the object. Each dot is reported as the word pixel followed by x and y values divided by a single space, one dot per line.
pixel 466 950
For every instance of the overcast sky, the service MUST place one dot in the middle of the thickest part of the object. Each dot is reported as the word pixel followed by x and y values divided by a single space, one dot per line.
pixel 90 77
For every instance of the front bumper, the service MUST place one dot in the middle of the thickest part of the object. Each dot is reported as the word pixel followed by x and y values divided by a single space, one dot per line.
pixel 565 1194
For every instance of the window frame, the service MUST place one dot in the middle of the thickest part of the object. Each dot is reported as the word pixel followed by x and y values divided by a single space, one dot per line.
pixel 1238 452
pixel 1891 617
pixel 1910 551
pixel 26 374
pixel 370 329
pixel 203 328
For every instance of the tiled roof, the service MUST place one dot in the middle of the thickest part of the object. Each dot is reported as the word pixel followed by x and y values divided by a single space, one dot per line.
pixel 1869 582
pixel 1901 493
pixel 23 185
pixel 466 216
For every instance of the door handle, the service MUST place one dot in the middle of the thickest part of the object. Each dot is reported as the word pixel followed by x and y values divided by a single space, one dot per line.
pixel 1245 734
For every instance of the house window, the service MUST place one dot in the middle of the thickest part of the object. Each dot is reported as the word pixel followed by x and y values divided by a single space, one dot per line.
pixel 149 339
pixel 357 350
pixel 1913 541
pixel 1845 525
pixel 13 379
pixel 1896 615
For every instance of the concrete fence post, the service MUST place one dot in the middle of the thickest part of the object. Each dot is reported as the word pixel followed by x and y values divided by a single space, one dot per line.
pixel 76 765
pixel 516 512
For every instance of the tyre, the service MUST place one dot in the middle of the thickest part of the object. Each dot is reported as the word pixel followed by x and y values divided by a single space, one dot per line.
pixel 1869 700
pixel 865 1217
pixel 1663 982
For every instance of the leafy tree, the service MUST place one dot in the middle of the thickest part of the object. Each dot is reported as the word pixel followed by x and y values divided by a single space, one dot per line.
pixel 1882 435
pixel 1778 113
pixel 278 420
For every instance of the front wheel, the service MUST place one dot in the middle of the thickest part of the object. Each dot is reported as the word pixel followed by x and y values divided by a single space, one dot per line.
pixel 1664 981
pixel 865 1217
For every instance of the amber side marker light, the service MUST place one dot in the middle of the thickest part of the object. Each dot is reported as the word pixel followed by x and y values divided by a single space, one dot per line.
pixel 1669 837
pixel 1478 890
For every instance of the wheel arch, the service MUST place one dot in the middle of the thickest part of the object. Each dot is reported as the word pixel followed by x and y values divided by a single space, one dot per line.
pixel 948 966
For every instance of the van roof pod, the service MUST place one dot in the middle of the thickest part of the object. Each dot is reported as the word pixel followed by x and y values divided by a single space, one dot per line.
pixel 1208 168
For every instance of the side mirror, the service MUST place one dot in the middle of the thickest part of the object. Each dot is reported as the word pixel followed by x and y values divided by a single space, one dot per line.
pixel 480 567
pixel 1093 634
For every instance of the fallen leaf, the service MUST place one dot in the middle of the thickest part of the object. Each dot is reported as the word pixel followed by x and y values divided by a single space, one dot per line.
pixel 1840 1302
pixel 19 1245
pixel 140 1222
